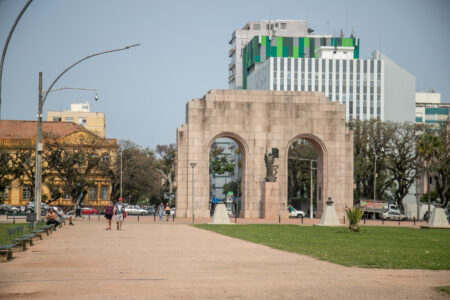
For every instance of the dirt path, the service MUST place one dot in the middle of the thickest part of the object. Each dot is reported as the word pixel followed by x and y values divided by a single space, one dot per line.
pixel 174 261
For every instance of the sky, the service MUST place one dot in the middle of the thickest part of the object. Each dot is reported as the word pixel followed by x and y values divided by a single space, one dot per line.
pixel 143 91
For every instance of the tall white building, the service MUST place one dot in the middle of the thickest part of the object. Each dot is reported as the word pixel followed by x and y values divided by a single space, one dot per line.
pixel 290 58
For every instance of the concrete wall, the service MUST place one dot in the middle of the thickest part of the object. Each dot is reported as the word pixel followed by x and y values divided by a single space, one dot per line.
pixel 259 121
pixel 399 92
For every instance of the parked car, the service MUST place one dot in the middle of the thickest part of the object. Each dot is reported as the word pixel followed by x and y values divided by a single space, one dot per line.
pixel 89 211
pixel 135 210
pixel 296 213
pixel 393 215
pixel 150 210
pixel 30 206
pixel 9 209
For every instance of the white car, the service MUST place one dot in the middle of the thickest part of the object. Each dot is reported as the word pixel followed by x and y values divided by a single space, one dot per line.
pixel 393 215
pixel 135 210
pixel 296 213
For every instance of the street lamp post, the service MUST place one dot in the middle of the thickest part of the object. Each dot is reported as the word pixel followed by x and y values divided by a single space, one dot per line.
pixel 193 167
pixel 42 96
pixel 5 48
pixel 375 187
pixel 121 155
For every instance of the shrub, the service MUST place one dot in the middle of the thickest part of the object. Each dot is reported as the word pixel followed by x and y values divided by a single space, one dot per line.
pixel 354 215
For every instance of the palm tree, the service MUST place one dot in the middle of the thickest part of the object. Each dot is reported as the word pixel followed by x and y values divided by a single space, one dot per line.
pixel 428 147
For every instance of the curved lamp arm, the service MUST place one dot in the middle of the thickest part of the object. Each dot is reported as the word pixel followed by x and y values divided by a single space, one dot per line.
pixel 81 60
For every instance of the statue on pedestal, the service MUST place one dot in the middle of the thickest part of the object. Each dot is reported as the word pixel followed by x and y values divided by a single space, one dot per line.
pixel 271 168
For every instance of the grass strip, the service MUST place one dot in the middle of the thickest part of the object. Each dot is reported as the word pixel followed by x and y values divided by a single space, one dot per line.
pixel 444 289
pixel 372 247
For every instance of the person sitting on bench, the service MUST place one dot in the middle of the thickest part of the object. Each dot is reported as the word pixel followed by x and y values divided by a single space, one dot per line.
pixel 51 217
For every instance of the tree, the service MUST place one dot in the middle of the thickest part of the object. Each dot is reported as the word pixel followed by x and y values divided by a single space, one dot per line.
pixel 299 177
pixel 401 158
pixel 166 160
pixel 429 149
pixel 370 137
pixel 140 180
pixel 441 169
pixel 6 171
pixel 76 164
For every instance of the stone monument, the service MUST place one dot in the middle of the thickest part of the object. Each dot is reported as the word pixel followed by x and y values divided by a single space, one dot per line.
pixel 220 214
pixel 258 121
pixel 329 216
pixel 438 218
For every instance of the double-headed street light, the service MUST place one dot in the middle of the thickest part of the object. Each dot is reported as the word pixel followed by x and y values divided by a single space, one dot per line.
pixel 42 96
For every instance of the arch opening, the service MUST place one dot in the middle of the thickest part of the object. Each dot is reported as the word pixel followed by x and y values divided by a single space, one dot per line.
pixel 226 158
pixel 305 176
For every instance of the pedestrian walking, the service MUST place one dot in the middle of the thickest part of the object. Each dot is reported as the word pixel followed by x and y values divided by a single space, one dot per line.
pixel 109 210
pixel 167 211
pixel 160 211
pixel 119 211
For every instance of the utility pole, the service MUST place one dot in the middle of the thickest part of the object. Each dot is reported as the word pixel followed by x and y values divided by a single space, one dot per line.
pixel 375 187
pixel 37 174
pixel 193 167
pixel 311 214
pixel 121 154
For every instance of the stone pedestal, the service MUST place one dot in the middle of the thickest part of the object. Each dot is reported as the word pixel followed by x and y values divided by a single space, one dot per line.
pixel 271 195
pixel 220 215
pixel 438 218
pixel 329 216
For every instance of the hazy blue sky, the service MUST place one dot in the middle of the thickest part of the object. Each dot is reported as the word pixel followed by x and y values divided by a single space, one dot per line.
pixel 184 52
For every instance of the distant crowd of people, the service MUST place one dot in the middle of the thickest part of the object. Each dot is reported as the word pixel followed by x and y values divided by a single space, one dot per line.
pixel 118 210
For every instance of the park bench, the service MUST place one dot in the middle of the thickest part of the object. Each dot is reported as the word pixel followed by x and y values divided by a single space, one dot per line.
pixel 6 251
pixel 16 236
pixel 37 232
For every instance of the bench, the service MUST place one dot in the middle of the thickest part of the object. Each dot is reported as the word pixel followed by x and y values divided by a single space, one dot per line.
pixel 6 251
pixel 37 232
pixel 15 235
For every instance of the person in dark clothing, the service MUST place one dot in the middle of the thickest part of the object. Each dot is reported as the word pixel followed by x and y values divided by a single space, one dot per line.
pixel 109 210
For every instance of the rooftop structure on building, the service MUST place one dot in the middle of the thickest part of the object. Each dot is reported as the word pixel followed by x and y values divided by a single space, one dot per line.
pixel 430 109
pixel 370 88
pixel 240 38
pixel 80 113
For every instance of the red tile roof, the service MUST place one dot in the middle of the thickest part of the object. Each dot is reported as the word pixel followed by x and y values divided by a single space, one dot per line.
pixel 27 129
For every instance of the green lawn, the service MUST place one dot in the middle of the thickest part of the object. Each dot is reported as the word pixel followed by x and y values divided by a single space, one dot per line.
pixel 444 289
pixel 373 247
pixel 4 239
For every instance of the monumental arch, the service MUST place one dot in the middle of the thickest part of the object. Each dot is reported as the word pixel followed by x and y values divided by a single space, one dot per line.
pixel 259 121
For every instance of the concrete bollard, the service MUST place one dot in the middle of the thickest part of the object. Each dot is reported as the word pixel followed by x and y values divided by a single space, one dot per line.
pixel 279 219
pixel 344 219
pixel 138 217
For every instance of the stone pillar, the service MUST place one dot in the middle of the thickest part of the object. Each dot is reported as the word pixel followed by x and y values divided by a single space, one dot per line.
pixel 271 194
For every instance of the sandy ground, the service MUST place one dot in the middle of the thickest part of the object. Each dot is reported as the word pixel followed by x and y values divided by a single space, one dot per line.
pixel 176 261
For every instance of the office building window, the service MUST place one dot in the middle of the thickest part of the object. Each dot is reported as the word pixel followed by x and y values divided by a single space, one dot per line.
pixel 256 26
pixel 56 119
pixel 69 119
pixel 93 193
pixel 104 192
pixel 4 194
pixel 82 121
pixel 26 192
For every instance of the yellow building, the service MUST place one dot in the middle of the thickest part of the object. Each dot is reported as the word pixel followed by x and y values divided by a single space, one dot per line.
pixel 80 113
pixel 19 136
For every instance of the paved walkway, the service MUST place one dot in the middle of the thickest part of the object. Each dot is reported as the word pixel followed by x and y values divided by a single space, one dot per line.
pixel 177 261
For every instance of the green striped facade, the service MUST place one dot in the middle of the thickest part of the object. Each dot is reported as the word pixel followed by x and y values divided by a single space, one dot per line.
pixel 260 48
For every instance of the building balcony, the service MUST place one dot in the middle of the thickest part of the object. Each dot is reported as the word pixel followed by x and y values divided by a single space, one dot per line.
pixel 231 65
pixel 232 50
